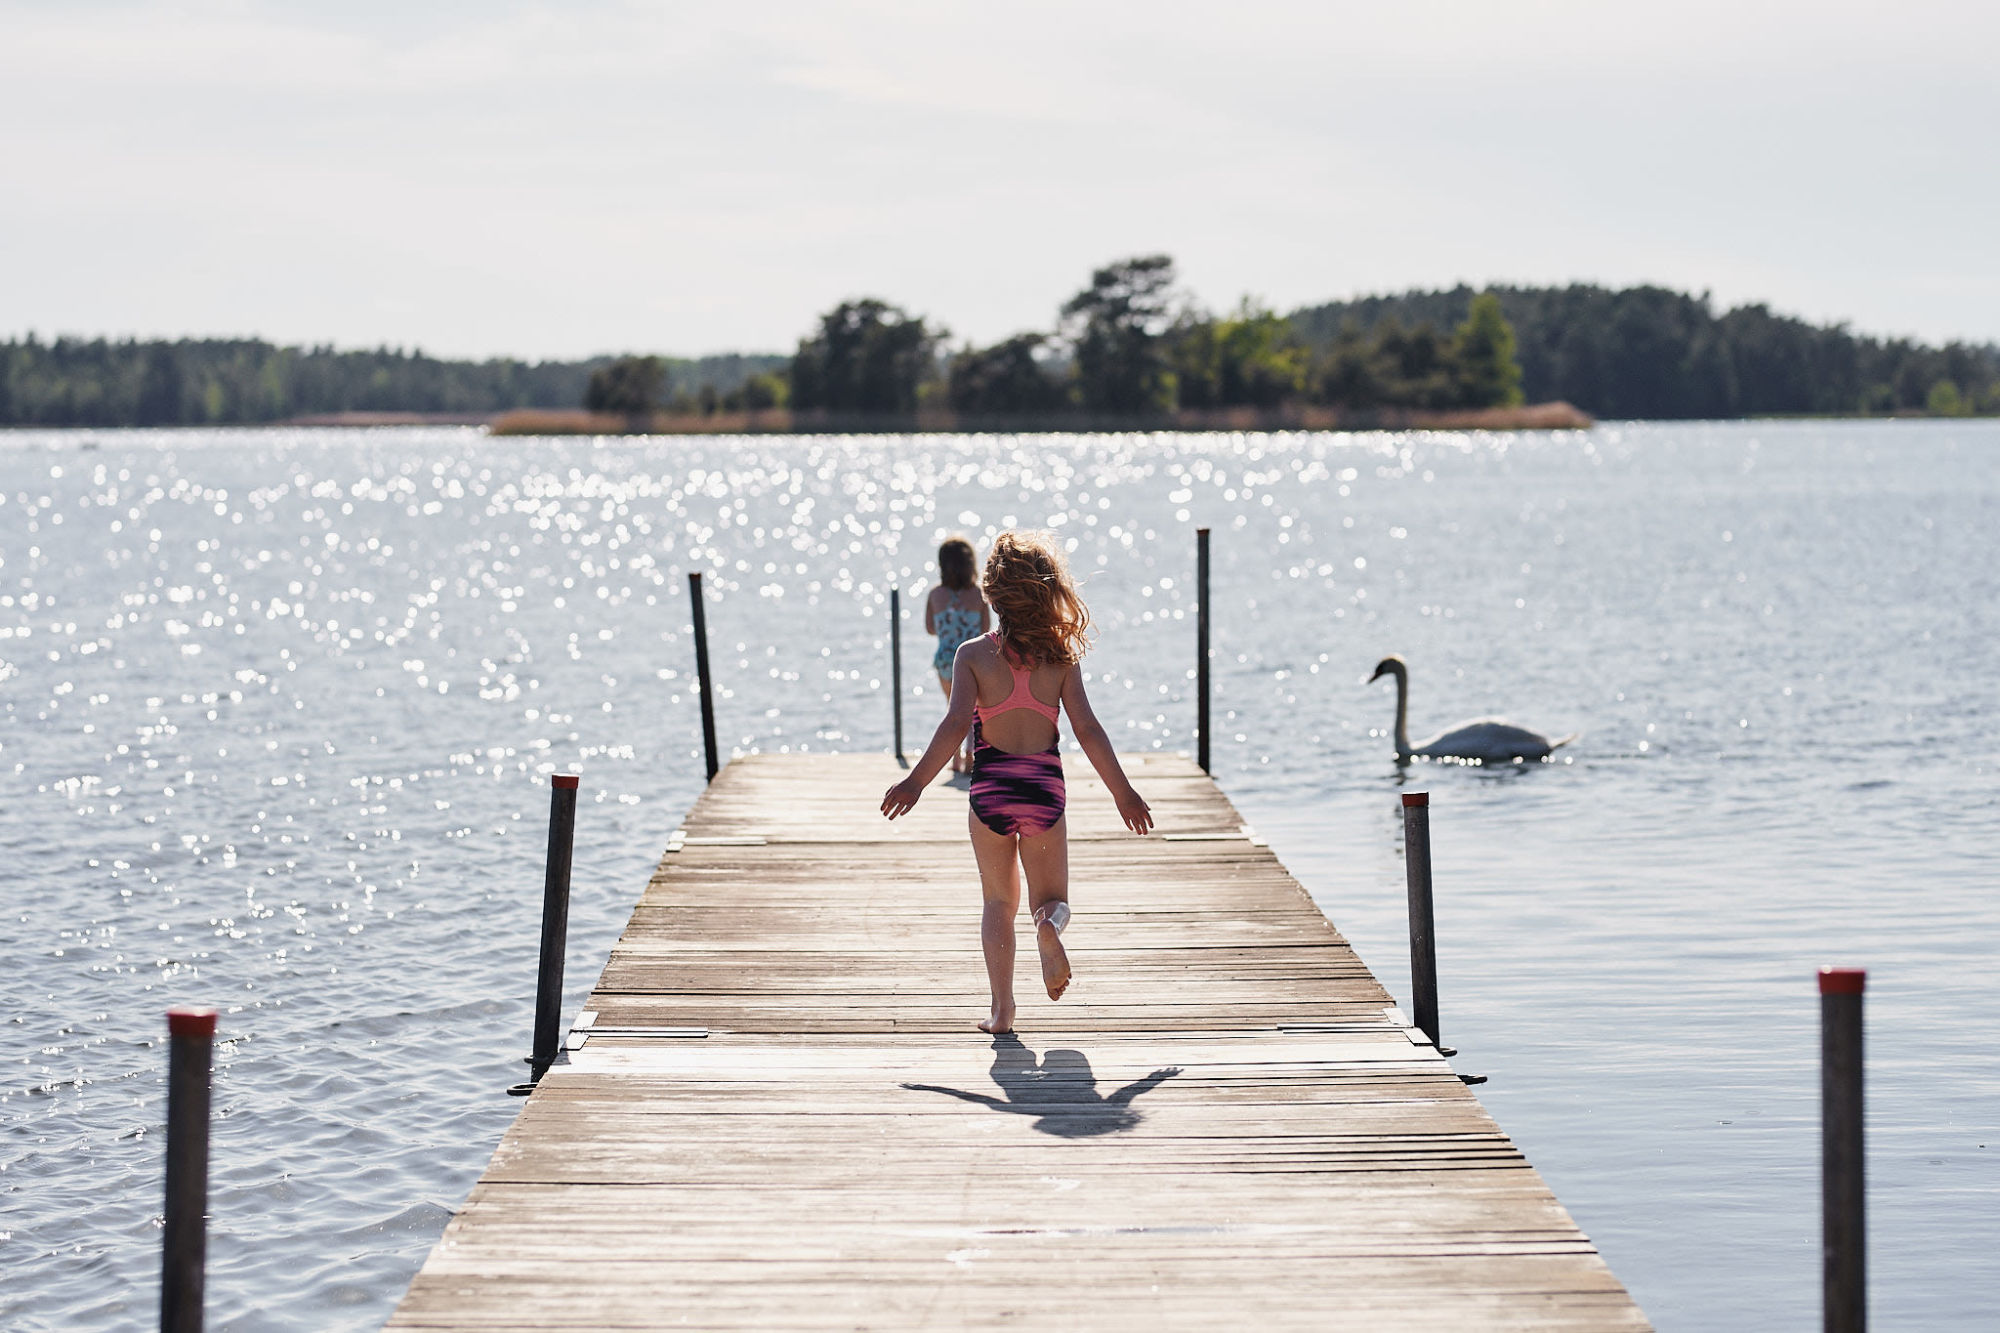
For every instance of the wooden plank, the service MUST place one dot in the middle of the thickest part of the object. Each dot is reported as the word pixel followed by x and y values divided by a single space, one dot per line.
pixel 1224 1123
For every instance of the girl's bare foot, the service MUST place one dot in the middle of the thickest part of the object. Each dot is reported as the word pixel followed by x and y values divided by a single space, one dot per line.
pixel 1000 1021
pixel 1055 960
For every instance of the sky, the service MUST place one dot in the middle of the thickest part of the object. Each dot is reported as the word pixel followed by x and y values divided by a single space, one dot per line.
pixel 479 177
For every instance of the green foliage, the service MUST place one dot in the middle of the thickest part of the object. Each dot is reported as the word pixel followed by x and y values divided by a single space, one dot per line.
pixel 1650 352
pixel 94 382
pixel 1138 351
pixel 1348 372
pixel 1944 400
pixel 1415 367
pixel 758 393
pixel 1877 399
pixel 1007 379
pixel 1252 358
pixel 1118 326
pixel 1401 367
pixel 868 357
pixel 1129 346
pixel 1488 374
pixel 633 385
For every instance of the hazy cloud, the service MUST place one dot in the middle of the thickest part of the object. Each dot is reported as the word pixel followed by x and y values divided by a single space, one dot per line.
pixel 554 179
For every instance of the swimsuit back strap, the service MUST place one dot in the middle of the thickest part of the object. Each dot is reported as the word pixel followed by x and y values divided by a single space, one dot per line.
pixel 1020 696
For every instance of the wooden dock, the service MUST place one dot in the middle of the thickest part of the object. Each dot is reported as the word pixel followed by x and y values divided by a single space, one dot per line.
pixel 1223 1125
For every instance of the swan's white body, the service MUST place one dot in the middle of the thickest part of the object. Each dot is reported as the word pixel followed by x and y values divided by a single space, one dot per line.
pixel 1487 740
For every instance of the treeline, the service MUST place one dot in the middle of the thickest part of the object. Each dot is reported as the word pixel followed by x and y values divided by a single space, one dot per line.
pixel 1650 352
pixel 1132 346
pixel 641 385
pixel 97 382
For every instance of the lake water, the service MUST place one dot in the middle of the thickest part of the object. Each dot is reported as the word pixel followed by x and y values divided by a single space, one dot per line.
pixel 279 708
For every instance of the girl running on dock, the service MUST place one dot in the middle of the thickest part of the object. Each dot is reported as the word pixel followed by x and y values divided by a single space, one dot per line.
pixel 955 612
pixel 1007 687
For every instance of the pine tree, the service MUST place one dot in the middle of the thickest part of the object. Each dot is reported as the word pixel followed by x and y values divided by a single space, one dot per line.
pixel 1489 376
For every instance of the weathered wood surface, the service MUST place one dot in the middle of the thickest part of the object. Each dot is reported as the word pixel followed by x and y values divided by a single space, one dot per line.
pixel 1219 1126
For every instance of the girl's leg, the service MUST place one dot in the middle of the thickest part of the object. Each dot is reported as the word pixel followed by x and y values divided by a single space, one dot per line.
pixel 1045 857
pixel 1000 892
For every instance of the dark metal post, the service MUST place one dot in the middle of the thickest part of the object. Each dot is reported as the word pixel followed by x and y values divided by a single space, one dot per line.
pixel 701 671
pixel 1201 647
pixel 184 1244
pixel 1843 1229
pixel 555 930
pixel 1423 931
pixel 896 661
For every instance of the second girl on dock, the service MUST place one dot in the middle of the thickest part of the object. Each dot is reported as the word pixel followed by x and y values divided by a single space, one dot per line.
pixel 955 612
pixel 1007 688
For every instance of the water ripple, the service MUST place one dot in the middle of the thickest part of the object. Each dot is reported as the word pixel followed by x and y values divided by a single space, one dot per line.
pixel 279 706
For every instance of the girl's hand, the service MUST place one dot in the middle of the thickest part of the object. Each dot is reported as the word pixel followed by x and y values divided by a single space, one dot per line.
pixel 1132 808
pixel 901 798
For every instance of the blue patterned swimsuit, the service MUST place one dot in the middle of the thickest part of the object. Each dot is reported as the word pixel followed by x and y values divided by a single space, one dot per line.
pixel 954 625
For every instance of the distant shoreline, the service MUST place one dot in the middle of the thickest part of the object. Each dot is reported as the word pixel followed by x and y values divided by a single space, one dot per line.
pixel 779 421
pixel 784 421
pixel 372 419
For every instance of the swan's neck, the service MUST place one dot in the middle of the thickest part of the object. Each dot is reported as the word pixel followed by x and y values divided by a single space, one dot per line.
pixel 1402 713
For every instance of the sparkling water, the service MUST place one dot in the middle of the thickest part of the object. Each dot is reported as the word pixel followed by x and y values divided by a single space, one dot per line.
pixel 280 706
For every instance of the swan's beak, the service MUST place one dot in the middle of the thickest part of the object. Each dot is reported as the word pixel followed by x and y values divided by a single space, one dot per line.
pixel 1379 673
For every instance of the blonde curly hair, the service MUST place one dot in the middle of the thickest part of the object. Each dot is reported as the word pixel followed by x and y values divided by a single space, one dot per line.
pixel 1027 582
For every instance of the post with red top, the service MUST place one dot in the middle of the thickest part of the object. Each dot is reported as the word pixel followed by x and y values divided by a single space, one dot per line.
pixel 701 674
pixel 1843 1226
pixel 896 662
pixel 1423 934
pixel 1201 647
pixel 555 929
pixel 184 1240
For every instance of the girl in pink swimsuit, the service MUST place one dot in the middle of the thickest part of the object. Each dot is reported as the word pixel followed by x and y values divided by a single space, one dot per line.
pixel 1008 688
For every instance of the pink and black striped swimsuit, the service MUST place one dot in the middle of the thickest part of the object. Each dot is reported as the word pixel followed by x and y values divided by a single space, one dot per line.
pixel 1016 793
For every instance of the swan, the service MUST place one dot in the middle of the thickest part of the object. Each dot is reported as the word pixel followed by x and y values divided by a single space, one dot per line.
pixel 1487 740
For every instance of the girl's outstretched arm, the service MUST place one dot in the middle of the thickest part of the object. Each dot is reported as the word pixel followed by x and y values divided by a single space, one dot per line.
pixel 950 734
pixel 1096 745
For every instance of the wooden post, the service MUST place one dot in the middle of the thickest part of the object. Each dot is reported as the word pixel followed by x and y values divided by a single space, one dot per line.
pixel 555 929
pixel 701 671
pixel 896 661
pixel 1423 933
pixel 1201 647
pixel 184 1240
pixel 1843 1196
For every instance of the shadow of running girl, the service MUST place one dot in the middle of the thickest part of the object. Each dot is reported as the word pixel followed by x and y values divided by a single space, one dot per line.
pixel 1058 1089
